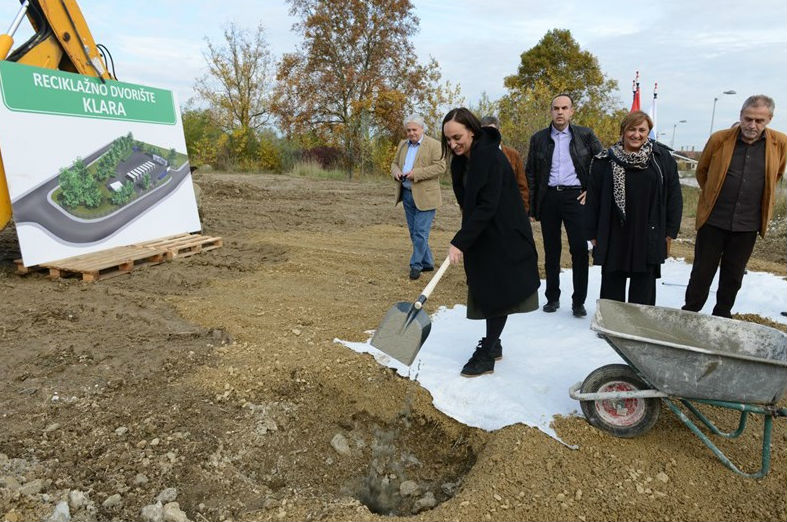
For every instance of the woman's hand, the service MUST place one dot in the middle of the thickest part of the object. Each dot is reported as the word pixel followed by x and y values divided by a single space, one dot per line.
pixel 669 244
pixel 454 254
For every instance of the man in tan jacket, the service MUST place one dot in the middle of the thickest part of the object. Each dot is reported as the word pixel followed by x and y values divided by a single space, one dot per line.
pixel 416 169
pixel 513 157
pixel 737 174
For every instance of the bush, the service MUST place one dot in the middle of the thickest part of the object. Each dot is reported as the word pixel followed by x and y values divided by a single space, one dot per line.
pixel 268 154
pixel 289 154
pixel 327 157
pixel 383 152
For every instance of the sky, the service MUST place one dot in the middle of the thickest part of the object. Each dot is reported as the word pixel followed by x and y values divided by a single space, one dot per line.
pixel 695 50
pixel 530 384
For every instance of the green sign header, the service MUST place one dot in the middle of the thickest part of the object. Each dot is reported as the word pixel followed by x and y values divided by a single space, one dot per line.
pixel 33 89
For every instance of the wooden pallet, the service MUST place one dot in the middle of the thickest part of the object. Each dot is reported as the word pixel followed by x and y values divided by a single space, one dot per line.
pixel 185 245
pixel 122 260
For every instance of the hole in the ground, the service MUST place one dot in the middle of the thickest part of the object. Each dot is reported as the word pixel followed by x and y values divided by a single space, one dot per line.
pixel 414 466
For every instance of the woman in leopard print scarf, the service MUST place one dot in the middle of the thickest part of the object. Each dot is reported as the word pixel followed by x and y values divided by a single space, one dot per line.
pixel 634 208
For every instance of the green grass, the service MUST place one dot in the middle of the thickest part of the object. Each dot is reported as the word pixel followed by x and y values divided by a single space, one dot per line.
pixel 312 169
pixel 780 200
pixel 690 197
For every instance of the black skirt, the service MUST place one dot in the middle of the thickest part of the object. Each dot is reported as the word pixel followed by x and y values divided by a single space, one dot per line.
pixel 529 304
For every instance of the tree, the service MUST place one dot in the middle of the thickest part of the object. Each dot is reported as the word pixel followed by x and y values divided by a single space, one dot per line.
pixel 105 168
pixel 203 136
pixel 79 187
pixel 124 195
pixel 70 195
pixel 355 75
pixel 485 106
pixel 558 65
pixel 522 113
pixel 238 83
pixel 440 99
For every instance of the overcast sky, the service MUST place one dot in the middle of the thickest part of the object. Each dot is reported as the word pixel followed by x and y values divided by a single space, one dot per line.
pixel 694 49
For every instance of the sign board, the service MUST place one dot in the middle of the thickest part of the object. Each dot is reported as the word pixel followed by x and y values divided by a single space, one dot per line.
pixel 91 165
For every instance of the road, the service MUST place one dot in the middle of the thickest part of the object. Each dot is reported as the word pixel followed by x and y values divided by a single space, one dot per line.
pixel 35 208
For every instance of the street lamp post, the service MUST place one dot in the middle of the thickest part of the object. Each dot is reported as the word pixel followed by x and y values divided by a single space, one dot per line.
pixel 674 126
pixel 713 114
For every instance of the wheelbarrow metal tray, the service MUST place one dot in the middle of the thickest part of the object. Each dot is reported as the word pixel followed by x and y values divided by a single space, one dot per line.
pixel 697 356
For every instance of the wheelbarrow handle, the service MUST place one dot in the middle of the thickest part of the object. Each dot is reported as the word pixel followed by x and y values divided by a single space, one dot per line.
pixel 419 303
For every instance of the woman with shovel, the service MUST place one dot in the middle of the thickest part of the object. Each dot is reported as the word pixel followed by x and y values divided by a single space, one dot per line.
pixel 495 241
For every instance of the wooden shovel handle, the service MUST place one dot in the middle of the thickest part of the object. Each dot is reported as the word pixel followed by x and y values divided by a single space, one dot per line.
pixel 432 283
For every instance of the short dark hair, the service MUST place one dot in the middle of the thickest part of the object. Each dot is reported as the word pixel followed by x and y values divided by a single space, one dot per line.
pixel 466 118
pixel 567 95
pixel 633 118
pixel 490 120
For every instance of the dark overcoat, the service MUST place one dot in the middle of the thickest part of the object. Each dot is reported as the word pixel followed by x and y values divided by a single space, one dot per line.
pixel 500 258
pixel 665 206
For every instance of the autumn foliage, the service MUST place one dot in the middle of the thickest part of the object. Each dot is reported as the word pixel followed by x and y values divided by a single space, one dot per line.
pixel 340 97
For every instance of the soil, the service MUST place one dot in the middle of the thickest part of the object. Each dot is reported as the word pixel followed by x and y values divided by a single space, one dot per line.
pixel 218 375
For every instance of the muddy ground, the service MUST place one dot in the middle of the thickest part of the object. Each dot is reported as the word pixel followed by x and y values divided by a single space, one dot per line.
pixel 218 376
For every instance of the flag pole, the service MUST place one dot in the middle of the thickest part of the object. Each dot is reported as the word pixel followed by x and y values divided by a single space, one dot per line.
pixel 635 90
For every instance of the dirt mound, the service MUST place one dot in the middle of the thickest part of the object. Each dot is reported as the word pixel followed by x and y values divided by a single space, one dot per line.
pixel 212 388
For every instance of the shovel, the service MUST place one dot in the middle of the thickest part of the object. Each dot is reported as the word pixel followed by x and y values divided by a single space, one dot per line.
pixel 406 326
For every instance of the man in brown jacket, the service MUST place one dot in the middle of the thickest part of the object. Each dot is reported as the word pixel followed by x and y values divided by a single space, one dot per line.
pixel 514 159
pixel 416 168
pixel 737 174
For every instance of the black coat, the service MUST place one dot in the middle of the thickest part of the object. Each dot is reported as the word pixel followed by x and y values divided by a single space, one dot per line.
pixel 496 240
pixel 583 146
pixel 666 207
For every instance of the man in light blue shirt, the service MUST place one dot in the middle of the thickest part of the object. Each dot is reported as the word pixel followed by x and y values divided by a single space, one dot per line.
pixel 416 168
pixel 557 169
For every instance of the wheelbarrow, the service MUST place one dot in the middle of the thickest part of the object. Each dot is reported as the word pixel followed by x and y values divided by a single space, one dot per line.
pixel 678 356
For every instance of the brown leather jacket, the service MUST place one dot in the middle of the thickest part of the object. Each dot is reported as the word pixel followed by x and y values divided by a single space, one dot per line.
pixel 519 171
pixel 715 160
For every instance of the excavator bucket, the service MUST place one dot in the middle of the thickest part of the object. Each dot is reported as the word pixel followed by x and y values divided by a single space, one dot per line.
pixel 62 40
pixel 5 199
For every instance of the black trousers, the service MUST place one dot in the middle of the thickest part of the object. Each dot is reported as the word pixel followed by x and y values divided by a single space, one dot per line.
pixel 715 247
pixel 642 286
pixel 561 207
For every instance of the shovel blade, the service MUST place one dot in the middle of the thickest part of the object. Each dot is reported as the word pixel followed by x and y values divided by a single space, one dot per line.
pixel 402 332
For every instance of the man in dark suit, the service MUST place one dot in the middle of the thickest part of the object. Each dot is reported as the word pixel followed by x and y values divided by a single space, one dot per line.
pixel 558 163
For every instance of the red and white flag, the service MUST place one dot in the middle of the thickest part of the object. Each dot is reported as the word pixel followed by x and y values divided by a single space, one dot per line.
pixel 635 90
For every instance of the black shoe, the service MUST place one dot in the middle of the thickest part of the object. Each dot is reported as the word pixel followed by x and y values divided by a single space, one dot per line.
pixel 414 273
pixel 497 351
pixel 579 310
pixel 480 363
pixel 551 306
pixel 427 269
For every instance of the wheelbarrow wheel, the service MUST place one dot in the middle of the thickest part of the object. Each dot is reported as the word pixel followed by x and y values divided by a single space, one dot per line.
pixel 623 417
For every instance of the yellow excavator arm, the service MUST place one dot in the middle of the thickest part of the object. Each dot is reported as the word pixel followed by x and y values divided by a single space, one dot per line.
pixel 63 41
